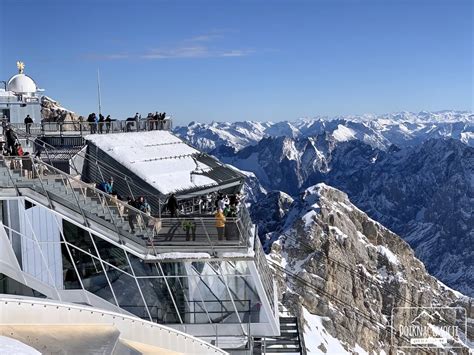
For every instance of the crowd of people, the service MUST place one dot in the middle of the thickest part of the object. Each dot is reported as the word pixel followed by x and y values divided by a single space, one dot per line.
pixel 97 123
pixel 221 205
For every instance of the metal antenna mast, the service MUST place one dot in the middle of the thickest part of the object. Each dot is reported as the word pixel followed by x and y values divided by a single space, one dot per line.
pixel 98 91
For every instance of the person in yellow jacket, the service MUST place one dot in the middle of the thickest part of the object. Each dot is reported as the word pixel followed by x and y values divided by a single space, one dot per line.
pixel 220 224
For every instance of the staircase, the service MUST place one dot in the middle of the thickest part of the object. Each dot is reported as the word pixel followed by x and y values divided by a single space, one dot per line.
pixel 79 201
pixel 288 342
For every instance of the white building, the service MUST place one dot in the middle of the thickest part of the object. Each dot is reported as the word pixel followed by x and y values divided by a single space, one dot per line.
pixel 19 97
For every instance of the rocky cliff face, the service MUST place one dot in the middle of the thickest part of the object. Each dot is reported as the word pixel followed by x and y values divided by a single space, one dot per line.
pixel 270 211
pixel 52 111
pixel 424 193
pixel 343 273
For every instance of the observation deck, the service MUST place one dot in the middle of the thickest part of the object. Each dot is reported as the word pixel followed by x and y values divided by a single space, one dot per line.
pixel 64 239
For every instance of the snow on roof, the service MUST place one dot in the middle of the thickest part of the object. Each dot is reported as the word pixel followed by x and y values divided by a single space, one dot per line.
pixel 158 157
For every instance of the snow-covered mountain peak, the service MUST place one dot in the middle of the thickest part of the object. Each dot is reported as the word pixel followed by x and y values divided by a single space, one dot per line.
pixel 379 131
pixel 348 271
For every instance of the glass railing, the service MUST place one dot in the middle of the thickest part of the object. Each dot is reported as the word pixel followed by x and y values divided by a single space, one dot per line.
pixel 130 223
pixel 83 128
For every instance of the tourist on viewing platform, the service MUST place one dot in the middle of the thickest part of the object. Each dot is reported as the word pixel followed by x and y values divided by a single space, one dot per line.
pixel 149 121
pixel 220 202
pixel 190 228
pixel 129 124
pixel 144 206
pixel 109 186
pixel 101 123
pixel 27 165
pixel 108 121
pixel 172 205
pixel 137 118
pixel 92 120
pixel 220 224
pixel 28 122
pixel 19 150
pixel 162 121
pixel 132 215
pixel 11 140
pixel 39 149
pixel 156 117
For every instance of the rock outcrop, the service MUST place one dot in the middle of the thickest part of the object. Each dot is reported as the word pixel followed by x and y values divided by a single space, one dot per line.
pixel 344 273
pixel 52 111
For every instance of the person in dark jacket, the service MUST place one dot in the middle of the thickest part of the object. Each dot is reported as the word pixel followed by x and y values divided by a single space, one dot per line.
pixel 27 165
pixel 11 140
pixel 91 119
pixel 132 215
pixel 101 123
pixel 172 205
pixel 108 121
pixel 28 122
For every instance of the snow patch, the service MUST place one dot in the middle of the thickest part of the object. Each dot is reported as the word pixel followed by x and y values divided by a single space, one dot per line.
pixel 343 134
pixel 388 254
pixel 316 336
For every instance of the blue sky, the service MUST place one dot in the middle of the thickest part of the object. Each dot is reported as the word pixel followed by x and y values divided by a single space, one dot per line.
pixel 237 60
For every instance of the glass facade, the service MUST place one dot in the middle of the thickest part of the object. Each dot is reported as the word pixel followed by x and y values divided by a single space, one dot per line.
pixel 169 292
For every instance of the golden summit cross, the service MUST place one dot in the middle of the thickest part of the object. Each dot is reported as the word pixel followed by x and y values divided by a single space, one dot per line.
pixel 21 67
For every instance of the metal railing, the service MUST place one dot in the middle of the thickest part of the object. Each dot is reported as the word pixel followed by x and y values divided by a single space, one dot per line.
pixel 83 128
pixel 201 312
pixel 104 169
pixel 151 232
pixel 264 271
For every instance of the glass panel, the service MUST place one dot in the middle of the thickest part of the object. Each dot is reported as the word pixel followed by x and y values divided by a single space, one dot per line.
pixel 78 237
pixel 112 254
pixel 141 268
pixel 158 300
pixel 92 275
pixel 239 267
pixel 173 269
pixel 71 281
pixel 13 287
pixel 127 293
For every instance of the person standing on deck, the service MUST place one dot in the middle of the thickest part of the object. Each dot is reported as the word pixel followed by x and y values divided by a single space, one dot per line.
pixel 28 122
pixel 108 121
pixel 131 214
pixel 11 140
pixel 172 205
pixel 101 123
pixel 220 224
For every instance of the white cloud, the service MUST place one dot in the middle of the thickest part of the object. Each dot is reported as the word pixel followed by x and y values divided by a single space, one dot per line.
pixel 200 46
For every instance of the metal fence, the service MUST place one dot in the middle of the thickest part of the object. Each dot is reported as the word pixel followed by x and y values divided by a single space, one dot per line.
pixel 128 222
pixel 82 128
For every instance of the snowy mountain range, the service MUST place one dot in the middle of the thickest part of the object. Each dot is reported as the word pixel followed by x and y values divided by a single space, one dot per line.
pixel 422 187
pixel 403 128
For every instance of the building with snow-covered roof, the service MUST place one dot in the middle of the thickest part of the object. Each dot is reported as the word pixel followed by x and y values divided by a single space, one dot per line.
pixel 69 242
pixel 162 162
